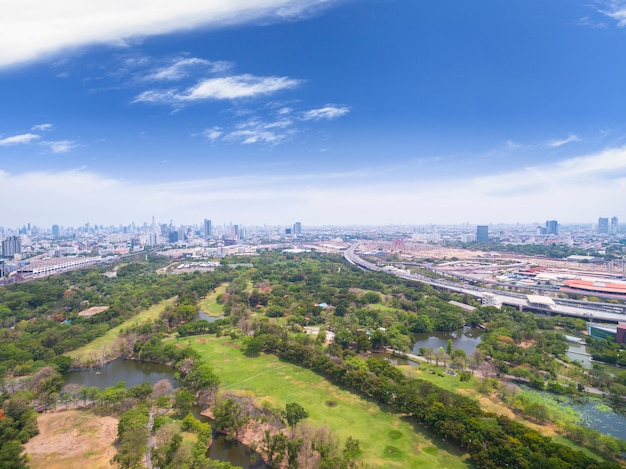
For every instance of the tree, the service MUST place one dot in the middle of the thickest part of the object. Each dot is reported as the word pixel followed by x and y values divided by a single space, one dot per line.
pixel 252 346
pixel 294 413
pixel 352 449
pixel 449 347
pixel 183 401
pixel 293 451
pixel 275 447
pixel 228 417
pixel 201 376
pixel 11 456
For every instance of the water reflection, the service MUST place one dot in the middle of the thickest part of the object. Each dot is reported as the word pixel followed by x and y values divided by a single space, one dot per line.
pixel 134 373
pixel 466 339
pixel 130 371
pixel 202 316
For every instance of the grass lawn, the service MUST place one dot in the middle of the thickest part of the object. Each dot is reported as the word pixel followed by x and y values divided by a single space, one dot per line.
pixel 102 344
pixel 209 303
pixel 387 440
pixel 495 405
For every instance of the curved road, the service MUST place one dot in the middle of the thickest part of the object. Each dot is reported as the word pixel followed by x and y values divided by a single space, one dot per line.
pixel 511 299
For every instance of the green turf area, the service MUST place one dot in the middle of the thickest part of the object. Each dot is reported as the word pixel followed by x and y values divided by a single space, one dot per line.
pixel 435 375
pixel 209 303
pixel 103 344
pixel 386 439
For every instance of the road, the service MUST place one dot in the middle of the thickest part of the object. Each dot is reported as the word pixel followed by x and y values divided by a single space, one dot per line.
pixel 518 300
pixel 151 441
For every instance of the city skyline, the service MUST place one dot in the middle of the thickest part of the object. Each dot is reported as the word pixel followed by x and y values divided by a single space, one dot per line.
pixel 352 113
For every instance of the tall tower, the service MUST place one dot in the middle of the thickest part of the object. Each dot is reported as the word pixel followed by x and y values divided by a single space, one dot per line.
pixel 613 227
pixel 208 228
pixel 297 228
pixel 603 225
pixel 11 246
pixel 482 233
pixel 55 231
pixel 552 227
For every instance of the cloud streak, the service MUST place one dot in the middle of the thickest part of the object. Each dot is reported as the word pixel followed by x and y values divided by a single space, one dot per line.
pixel 32 29
pixel 18 139
pixel 559 143
pixel 616 10
pixel 223 88
pixel 327 112
pixel 182 68
pixel 577 186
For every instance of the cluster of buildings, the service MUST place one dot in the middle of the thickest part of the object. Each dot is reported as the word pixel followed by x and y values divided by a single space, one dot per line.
pixel 32 251
pixel 605 226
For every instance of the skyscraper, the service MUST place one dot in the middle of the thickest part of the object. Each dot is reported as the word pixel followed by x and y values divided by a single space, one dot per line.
pixel 603 225
pixel 613 227
pixel 482 233
pixel 55 231
pixel 11 246
pixel 208 231
pixel 297 228
pixel 552 227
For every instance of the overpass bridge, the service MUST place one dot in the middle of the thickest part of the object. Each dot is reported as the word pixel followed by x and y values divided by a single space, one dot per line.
pixel 600 312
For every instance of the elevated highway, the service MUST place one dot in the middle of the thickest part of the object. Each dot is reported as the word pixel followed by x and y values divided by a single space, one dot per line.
pixel 599 312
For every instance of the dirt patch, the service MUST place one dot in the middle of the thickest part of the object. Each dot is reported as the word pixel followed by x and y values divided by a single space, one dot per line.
pixel 93 311
pixel 72 438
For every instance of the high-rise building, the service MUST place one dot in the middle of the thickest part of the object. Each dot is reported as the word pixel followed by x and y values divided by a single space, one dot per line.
pixel 603 225
pixel 208 228
pixel 297 228
pixel 552 227
pixel 55 231
pixel 11 246
pixel 613 227
pixel 482 233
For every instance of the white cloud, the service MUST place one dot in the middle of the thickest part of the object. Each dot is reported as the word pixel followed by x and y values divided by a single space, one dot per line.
pixel 31 29
pixel 42 127
pixel 18 139
pixel 616 10
pixel 60 146
pixel 254 131
pixel 327 112
pixel 570 191
pixel 558 143
pixel 238 86
pixel 213 133
pixel 183 67
pixel 223 88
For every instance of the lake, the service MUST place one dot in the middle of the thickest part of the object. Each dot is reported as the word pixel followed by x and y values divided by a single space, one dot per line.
pixel 465 338
pixel 133 373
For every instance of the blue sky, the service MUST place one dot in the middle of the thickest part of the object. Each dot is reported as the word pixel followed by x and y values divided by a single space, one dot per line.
pixel 322 111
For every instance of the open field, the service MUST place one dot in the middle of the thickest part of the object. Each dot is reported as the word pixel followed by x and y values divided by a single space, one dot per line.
pixel 209 303
pixel 72 438
pixel 387 440
pixel 494 404
pixel 102 344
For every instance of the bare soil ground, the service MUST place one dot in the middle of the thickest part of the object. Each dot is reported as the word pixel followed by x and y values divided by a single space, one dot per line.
pixel 72 439
pixel 93 311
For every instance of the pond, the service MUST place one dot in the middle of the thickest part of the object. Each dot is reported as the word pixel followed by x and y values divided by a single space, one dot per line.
pixel 130 371
pixel 230 451
pixel 578 352
pixel 466 339
pixel 134 373
pixel 202 316
pixel 594 412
